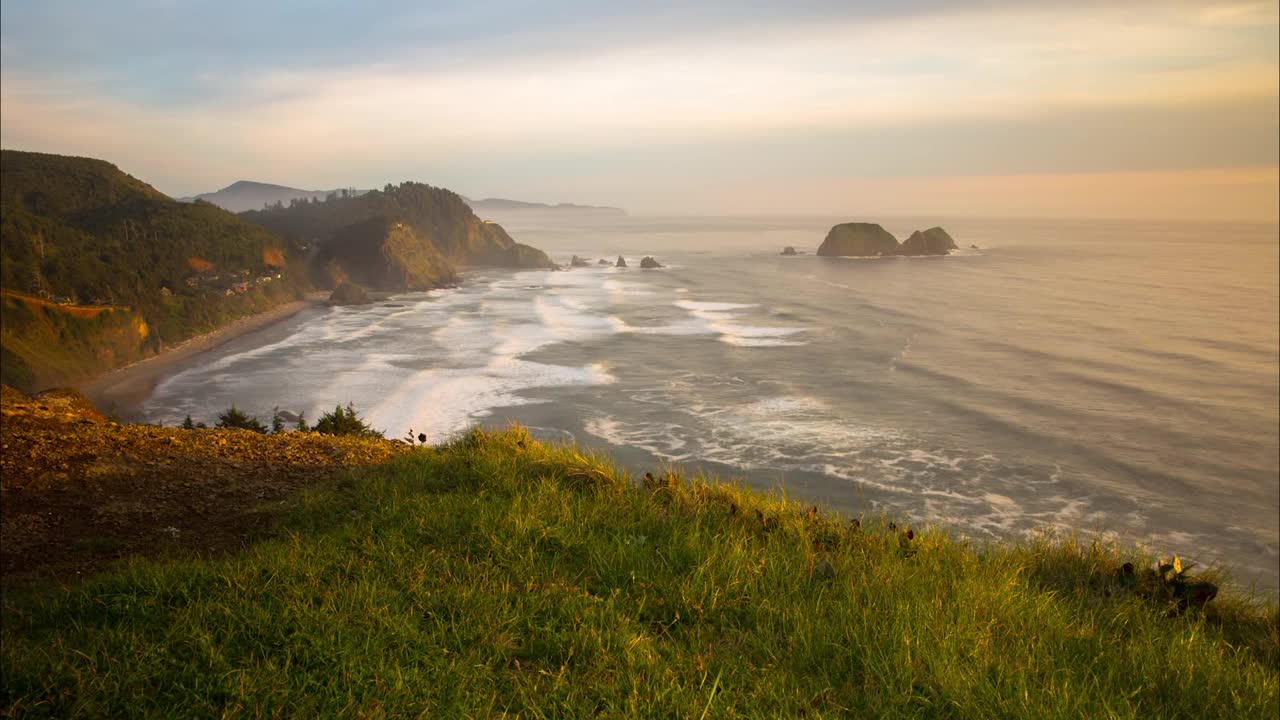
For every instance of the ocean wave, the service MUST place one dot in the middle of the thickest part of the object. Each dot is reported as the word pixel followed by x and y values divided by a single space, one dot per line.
pixel 441 402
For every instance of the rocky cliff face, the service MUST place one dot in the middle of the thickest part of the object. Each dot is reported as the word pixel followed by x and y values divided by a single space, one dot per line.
pixel 858 240
pixel 422 233
pixel 386 255
pixel 934 241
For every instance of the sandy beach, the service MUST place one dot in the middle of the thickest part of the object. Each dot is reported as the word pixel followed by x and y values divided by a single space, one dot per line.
pixel 123 389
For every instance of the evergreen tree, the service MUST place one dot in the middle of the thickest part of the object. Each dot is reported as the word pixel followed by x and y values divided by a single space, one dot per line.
pixel 344 421
pixel 234 418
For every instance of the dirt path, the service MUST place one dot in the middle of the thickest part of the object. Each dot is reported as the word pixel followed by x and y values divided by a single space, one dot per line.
pixel 82 311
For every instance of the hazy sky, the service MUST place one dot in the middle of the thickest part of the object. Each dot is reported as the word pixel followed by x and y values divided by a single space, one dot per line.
pixel 1056 108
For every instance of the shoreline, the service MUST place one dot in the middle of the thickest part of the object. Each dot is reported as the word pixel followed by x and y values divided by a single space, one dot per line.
pixel 125 388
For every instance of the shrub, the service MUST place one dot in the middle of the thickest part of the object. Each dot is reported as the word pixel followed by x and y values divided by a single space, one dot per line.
pixel 234 418
pixel 344 421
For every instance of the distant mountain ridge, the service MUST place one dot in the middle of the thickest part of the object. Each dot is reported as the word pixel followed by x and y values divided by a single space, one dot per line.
pixel 245 195
pixel 499 204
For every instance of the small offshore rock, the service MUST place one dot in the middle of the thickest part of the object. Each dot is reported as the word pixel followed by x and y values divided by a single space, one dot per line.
pixel 621 262
pixel 648 263
pixel 349 293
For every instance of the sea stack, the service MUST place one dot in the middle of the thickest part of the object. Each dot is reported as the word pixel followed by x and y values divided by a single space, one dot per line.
pixel 348 293
pixel 934 241
pixel 858 240
pixel 576 261
pixel 602 261
pixel 621 262
pixel 648 263
pixel 788 250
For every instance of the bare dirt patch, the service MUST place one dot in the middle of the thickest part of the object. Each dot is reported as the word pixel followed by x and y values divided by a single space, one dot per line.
pixel 78 491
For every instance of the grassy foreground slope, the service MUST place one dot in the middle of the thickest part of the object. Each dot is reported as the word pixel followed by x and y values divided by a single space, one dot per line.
pixel 497 576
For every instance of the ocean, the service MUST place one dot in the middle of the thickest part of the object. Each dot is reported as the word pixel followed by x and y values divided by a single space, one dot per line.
pixel 1113 377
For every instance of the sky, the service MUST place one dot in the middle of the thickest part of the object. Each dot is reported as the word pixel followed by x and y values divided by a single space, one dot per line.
pixel 1142 109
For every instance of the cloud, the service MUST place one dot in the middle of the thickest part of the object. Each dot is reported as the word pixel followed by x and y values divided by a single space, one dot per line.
pixel 577 95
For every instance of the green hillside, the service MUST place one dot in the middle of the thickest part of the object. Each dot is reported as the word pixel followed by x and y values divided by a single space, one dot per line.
pixel 433 215
pixel 78 232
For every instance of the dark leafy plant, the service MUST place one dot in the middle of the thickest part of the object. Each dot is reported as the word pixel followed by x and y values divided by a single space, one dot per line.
pixel 234 418
pixel 1171 584
pixel 344 421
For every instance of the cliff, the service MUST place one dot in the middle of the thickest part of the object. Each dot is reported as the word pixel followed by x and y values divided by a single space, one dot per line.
pixel 383 254
pixel 426 232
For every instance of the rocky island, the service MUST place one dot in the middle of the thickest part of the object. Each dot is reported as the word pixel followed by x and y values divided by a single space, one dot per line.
pixel 861 239
pixel 934 241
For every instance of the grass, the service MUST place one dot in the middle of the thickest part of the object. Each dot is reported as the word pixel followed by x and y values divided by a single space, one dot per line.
pixel 500 577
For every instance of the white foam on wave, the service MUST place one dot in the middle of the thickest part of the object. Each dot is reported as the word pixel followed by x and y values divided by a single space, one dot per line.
pixel 441 402
pixel 775 432
pixel 718 318
pixel 973 491
pixel 666 442
pixel 712 307
pixel 466 338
